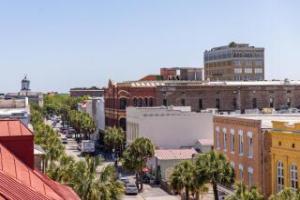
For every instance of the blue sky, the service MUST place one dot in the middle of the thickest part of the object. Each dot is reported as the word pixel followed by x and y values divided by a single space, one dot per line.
pixel 70 43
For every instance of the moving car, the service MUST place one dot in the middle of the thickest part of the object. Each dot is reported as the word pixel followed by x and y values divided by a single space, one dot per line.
pixel 131 189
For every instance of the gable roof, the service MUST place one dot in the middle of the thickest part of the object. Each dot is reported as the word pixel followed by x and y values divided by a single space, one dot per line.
pixel 18 181
pixel 174 154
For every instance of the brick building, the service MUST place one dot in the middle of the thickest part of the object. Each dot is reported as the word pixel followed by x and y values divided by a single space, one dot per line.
pixel 247 142
pixel 226 96
pixel 91 92
pixel 118 96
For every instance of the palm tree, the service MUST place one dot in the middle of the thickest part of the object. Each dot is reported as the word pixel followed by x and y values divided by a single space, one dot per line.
pixel 184 178
pixel 135 157
pixel 242 193
pixel 92 186
pixel 114 138
pixel 287 193
pixel 110 187
pixel 216 170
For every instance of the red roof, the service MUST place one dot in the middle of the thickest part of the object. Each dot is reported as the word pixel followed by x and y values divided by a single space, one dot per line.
pixel 18 181
pixel 13 128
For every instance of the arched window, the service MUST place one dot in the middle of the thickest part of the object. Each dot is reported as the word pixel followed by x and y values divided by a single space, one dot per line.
pixel 140 102
pixel 123 103
pixel 151 103
pixel 146 102
pixel 135 102
pixel 254 103
pixel 122 123
pixel 280 176
pixel 294 176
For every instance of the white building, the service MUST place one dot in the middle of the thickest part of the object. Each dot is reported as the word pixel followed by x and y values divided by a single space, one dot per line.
pixel 165 160
pixel 94 106
pixel 168 127
pixel 15 109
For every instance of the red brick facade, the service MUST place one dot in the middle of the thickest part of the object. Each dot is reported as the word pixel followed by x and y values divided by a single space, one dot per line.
pixel 226 96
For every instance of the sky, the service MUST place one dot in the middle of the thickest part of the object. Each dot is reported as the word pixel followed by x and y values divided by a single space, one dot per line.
pixel 75 43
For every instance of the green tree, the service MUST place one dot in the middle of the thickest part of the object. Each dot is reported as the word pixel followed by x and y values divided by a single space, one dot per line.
pixel 88 126
pixel 114 138
pixel 184 178
pixel 285 194
pixel 91 186
pixel 135 158
pixel 216 169
pixel 242 193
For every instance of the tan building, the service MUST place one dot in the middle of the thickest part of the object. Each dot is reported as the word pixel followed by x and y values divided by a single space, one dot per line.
pixel 234 62
pixel 285 152
pixel 246 141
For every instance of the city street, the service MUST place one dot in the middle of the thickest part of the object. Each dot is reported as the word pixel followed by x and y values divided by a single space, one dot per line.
pixel 151 193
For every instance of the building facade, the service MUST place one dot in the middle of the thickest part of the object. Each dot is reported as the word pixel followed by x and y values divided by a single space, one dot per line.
pixel 15 109
pixel 94 106
pixel 285 154
pixel 165 126
pixel 234 62
pixel 225 96
pixel 91 92
pixel 244 144
pixel 182 73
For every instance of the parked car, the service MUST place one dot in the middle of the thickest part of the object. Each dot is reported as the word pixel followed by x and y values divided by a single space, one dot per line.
pixel 69 135
pixel 64 140
pixel 131 189
pixel 125 180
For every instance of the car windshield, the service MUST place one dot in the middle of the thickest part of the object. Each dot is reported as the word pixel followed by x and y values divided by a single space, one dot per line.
pixel 131 185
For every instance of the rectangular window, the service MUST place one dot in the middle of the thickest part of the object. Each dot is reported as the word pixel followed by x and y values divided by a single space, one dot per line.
pixel 218 137
pixel 182 102
pixel 232 141
pixel 234 103
pixel 238 70
pixel 200 104
pixel 218 103
pixel 248 70
pixel 224 139
pixel 294 176
pixel 258 70
pixel 241 142
pixel 250 176
pixel 250 144
pixel 165 102
pixel 241 172
pixel 254 103
pixel 280 176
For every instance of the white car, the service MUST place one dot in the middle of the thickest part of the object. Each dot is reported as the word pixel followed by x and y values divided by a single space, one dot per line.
pixel 131 189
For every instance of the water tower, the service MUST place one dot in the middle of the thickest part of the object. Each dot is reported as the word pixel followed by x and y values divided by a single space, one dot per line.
pixel 25 84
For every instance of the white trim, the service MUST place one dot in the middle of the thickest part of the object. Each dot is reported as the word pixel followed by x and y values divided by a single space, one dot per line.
pixel 232 131
pixel 241 167
pixel 241 132
pixel 250 170
pixel 250 134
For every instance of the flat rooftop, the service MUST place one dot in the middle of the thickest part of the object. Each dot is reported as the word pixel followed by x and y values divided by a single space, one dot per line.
pixel 266 119
pixel 158 83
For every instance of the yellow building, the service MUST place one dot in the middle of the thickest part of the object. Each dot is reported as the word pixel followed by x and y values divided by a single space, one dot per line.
pixel 285 155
